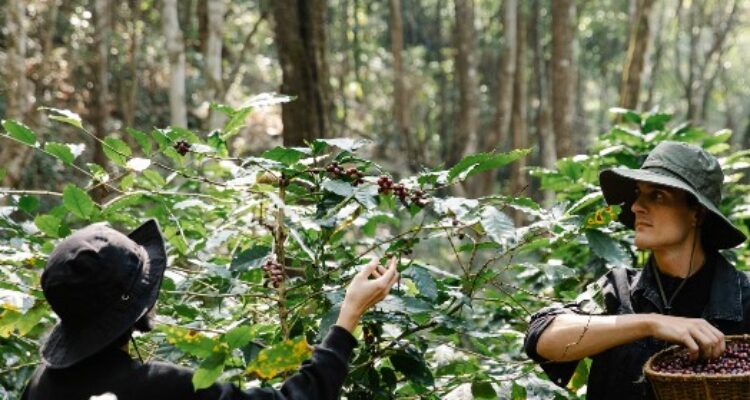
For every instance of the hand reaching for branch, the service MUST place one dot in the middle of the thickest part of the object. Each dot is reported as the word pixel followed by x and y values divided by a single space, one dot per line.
pixel 364 292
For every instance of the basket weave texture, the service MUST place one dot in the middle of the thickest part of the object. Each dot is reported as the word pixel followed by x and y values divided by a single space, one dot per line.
pixel 671 386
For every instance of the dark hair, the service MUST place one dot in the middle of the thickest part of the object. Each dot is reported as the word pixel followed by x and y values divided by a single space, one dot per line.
pixel 144 324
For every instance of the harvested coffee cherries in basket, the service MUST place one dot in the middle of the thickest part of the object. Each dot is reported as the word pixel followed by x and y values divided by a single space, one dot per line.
pixel 734 361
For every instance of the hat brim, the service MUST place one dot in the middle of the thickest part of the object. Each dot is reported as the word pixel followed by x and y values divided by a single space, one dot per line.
pixel 66 345
pixel 618 186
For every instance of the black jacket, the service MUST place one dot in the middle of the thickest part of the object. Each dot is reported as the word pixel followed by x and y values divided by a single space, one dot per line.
pixel 113 371
pixel 617 373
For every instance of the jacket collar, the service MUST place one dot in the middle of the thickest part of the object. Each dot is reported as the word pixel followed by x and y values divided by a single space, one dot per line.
pixel 725 299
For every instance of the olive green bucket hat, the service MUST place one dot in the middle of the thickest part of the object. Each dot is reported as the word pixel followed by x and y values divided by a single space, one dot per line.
pixel 681 166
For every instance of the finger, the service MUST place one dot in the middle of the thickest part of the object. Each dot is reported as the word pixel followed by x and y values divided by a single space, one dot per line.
pixel 388 274
pixel 704 342
pixel 720 335
pixel 692 346
pixel 370 267
pixel 716 342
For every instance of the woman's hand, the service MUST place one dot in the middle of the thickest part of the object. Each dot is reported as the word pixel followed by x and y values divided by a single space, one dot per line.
pixel 701 338
pixel 363 292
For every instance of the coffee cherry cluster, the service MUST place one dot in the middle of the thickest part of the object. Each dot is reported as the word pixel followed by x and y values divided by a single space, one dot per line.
pixel 386 186
pixel 274 271
pixel 182 147
pixel 734 361
pixel 352 174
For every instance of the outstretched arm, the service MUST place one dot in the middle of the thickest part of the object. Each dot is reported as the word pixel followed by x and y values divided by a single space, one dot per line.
pixel 572 336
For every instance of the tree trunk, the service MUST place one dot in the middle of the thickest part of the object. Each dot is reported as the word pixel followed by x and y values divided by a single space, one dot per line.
pixel 655 58
pixel 131 95
pixel 543 120
pixel 518 126
pixel 212 57
pixel 176 55
pixel 499 137
pixel 100 92
pixel 563 98
pixel 506 76
pixel 630 83
pixel 301 42
pixel 465 135
pixel 401 103
pixel 14 156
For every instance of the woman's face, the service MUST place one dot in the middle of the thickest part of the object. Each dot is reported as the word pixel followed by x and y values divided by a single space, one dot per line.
pixel 663 218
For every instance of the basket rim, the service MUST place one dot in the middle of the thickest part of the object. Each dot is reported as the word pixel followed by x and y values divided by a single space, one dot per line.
pixel 649 371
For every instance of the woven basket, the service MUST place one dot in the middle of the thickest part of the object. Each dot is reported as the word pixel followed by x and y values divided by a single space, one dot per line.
pixel 670 386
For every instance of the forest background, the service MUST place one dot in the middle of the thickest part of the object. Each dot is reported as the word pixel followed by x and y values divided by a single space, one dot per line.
pixel 98 96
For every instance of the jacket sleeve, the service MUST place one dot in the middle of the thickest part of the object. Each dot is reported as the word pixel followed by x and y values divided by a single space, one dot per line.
pixel 600 298
pixel 320 378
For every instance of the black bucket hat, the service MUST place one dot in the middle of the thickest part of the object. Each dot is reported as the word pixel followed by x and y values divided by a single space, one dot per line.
pixel 100 282
pixel 681 166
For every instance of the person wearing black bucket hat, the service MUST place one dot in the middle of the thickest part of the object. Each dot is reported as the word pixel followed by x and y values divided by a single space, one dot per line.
pixel 103 285
pixel 687 293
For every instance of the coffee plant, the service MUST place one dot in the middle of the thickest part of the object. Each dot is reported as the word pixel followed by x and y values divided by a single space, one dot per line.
pixel 261 248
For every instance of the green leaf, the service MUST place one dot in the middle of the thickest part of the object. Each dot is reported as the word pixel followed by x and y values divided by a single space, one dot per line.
pixel 607 248
pixel 480 162
pixel 655 122
pixel 100 174
pixel 410 363
pixel 116 150
pixel 20 131
pixel 250 258
pixel 28 203
pixel 65 116
pixel 141 138
pixel 518 392
pixel 345 143
pixel 283 155
pixel 209 370
pixel 580 376
pixel 341 188
pixel 482 389
pixel 189 341
pixel 499 227
pixel 77 201
pixel 236 122
pixel 2 175
pixel 423 280
pixel 279 358
pixel 48 224
pixel 60 151
pixel 239 336
pixel 627 115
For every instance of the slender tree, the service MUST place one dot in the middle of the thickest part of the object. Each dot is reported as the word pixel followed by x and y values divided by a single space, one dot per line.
pixel 499 137
pixel 465 137
pixel 100 93
pixel 518 126
pixel 176 55
pixel 401 102
pixel 543 118
pixel 630 82
pixel 14 156
pixel 212 57
pixel 563 90
pixel 301 43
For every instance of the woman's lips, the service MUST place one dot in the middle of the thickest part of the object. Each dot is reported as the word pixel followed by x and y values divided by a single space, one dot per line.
pixel 642 224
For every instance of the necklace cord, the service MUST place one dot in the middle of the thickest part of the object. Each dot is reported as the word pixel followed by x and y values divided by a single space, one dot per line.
pixel 668 304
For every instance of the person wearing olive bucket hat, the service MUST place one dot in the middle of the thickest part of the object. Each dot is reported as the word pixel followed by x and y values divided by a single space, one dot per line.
pixel 103 285
pixel 687 293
